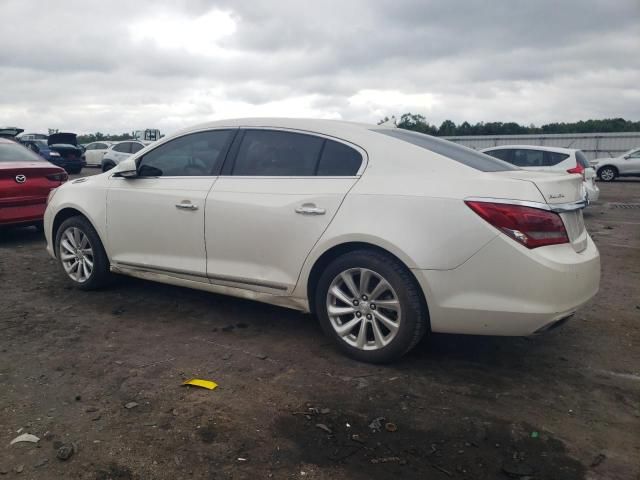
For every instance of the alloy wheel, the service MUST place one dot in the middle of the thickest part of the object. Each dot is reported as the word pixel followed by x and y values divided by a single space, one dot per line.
pixel 607 174
pixel 364 309
pixel 76 254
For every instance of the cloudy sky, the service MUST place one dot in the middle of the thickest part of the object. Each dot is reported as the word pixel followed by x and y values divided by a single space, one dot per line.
pixel 115 66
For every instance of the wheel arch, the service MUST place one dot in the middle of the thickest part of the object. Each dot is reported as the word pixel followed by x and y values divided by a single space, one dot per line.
pixel 609 166
pixel 342 248
pixel 64 214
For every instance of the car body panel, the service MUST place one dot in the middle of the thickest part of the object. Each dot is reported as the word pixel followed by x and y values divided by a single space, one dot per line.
pixel 94 152
pixel 24 188
pixel 405 200
pixel 181 249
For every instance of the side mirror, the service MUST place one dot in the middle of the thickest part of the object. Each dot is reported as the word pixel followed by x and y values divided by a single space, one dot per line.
pixel 126 174
pixel 126 169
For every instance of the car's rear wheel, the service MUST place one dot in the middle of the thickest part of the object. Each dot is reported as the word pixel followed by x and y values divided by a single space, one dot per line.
pixel 81 254
pixel 607 174
pixel 370 304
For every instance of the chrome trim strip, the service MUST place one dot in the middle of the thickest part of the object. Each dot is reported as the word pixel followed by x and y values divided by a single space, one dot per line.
pixel 149 268
pixel 221 278
pixel 254 283
pixel 553 207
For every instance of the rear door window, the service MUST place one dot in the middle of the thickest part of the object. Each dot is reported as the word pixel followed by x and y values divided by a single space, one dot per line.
pixel 528 158
pixel 554 158
pixel 124 147
pixel 338 160
pixel 274 153
pixel 136 147
pixel 502 154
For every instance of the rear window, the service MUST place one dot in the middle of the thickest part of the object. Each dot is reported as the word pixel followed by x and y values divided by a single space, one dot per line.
pixel 459 153
pixel 12 152
pixel 582 159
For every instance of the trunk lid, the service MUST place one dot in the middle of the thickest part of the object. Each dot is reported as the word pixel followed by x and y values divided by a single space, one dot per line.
pixel 35 186
pixel 62 139
pixel 560 191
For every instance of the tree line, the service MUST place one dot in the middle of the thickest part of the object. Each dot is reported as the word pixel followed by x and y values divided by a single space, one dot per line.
pixel 448 128
pixel 102 137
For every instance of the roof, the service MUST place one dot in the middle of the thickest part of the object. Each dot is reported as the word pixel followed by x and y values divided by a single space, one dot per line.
pixel 568 151
pixel 338 128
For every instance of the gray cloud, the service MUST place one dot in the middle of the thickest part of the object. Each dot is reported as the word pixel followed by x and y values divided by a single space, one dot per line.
pixel 78 66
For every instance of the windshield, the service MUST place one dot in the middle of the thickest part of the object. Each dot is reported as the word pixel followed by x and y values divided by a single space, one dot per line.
pixel 466 156
pixel 12 152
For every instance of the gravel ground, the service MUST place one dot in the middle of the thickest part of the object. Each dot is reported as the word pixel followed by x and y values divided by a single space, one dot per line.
pixel 565 405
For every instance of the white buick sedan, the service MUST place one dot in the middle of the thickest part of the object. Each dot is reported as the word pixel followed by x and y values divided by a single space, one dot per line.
pixel 383 233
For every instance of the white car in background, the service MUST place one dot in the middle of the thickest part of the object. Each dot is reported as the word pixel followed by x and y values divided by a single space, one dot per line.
pixel 383 233
pixel 120 151
pixel 626 165
pixel 94 152
pixel 550 159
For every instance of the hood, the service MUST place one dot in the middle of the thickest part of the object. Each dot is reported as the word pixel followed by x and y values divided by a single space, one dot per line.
pixel 62 138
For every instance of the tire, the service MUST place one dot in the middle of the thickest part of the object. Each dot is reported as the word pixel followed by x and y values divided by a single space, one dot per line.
pixel 607 174
pixel 107 166
pixel 79 228
pixel 410 320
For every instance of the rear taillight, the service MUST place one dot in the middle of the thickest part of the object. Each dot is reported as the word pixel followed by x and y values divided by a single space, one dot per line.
pixel 58 177
pixel 579 169
pixel 532 227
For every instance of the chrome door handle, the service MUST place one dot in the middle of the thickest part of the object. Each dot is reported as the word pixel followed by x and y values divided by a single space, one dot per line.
pixel 186 206
pixel 310 209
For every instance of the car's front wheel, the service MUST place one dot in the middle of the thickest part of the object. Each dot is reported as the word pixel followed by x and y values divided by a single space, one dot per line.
pixel 81 254
pixel 607 174
pixel 106 166
pixel 370 304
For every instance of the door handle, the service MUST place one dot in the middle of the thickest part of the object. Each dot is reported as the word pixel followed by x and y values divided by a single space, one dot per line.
pixel 310 209
pixel 186 206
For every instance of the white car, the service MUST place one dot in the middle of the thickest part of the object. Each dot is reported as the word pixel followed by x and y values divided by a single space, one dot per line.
pixel 383 233
pixel 626 165
pixel 94 152
pixel 120 151
pixel 550 159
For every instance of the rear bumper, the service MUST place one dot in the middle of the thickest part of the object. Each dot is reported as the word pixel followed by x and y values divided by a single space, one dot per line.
pixel 505 289
pixel 593 192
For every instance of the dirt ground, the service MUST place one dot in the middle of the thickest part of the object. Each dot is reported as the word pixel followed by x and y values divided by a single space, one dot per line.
pixel 565 405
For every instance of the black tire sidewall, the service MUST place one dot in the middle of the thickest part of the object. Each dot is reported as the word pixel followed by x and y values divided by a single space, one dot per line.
pixel 413 312
pixel 101 273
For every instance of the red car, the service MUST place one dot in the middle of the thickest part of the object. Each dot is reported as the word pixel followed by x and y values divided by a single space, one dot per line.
pixel 25 182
